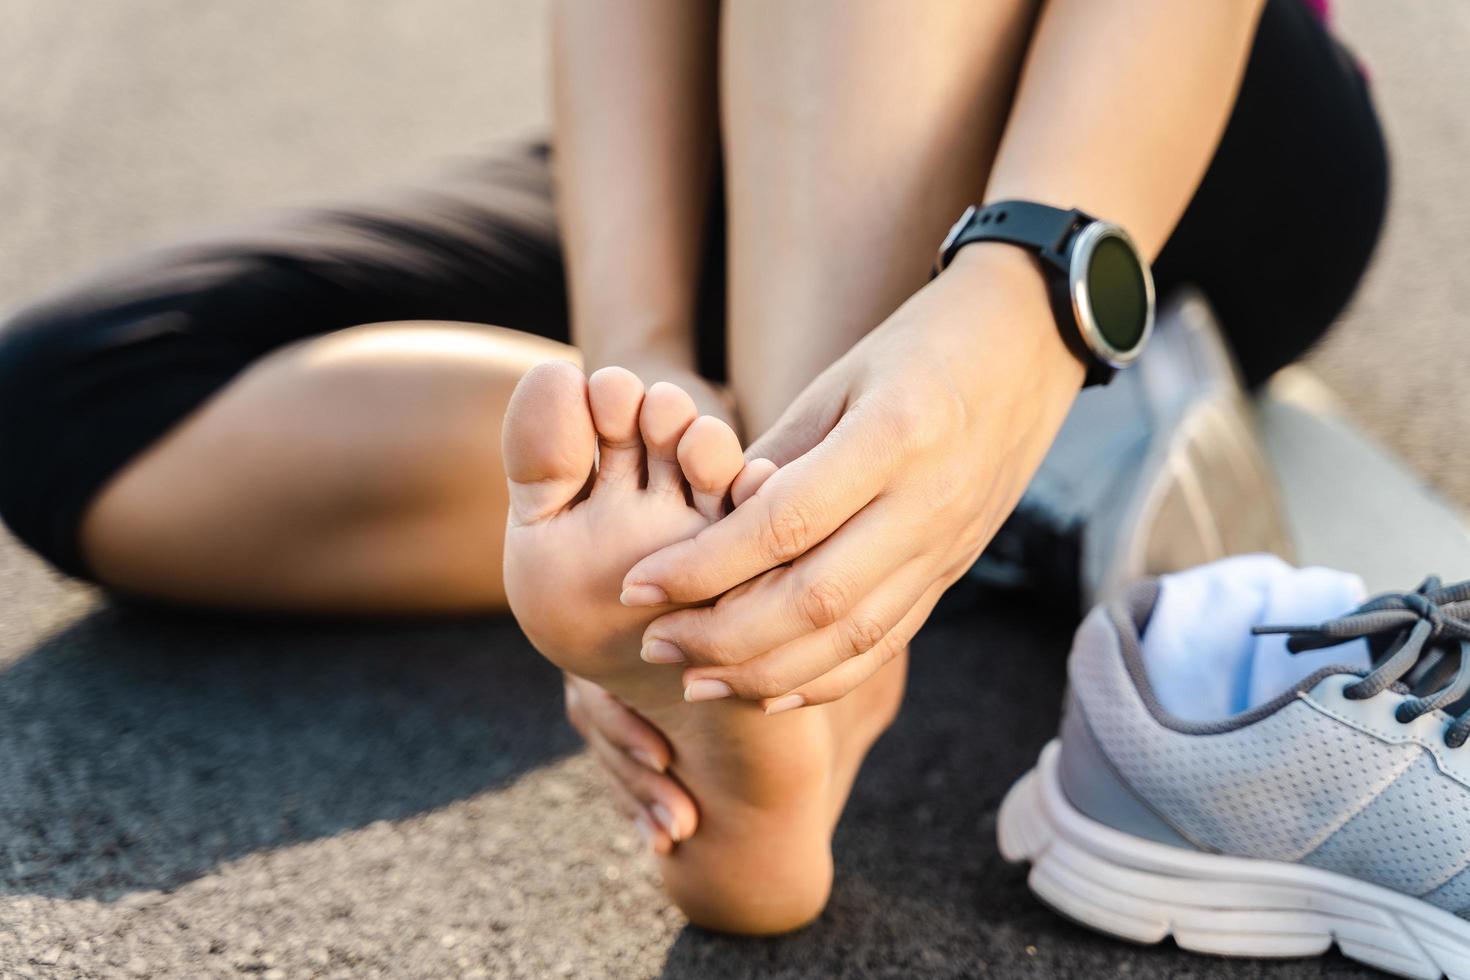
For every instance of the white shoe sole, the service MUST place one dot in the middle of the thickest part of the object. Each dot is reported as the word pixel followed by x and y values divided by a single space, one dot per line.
pixel 1143 891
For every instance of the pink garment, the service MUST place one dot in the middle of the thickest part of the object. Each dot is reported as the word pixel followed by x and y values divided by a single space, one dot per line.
pixel 1320 8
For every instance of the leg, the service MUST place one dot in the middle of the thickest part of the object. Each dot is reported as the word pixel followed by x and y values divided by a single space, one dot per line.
pixel 209 425
pixel 356 472
pixel 770 787
pixel 853 138
pixel 855 134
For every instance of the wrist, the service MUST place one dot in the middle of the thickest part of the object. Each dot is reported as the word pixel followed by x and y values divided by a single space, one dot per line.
pixel 1000 296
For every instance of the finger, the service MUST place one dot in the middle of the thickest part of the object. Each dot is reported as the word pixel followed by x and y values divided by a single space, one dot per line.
pixel 633 752
pixel 655 838
pixel 796 509
pixel 591 709
pixel 657 794
pixel 756 472
pixel 818 590
pixel 848 675
pixel 814 654
pixel 805 423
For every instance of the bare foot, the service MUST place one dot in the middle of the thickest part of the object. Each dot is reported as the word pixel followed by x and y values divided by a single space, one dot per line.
pixel 602 475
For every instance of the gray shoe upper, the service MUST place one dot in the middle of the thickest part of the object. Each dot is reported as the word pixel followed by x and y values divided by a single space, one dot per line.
pixel 1095 788
pixel 1158 471
pixel 1305 778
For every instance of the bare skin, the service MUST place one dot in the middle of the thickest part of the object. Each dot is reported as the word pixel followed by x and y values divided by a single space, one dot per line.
pixel 840 193
pixel 392 499
pixel 901 459
pixel 770 789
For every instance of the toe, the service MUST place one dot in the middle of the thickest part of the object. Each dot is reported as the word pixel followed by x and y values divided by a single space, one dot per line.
pixel 616 395
pixel 709 455
pixel 547 441
pixel 667 412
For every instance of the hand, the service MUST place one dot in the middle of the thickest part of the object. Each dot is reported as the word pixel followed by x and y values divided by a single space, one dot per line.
pixel 898 464
pixel 636 758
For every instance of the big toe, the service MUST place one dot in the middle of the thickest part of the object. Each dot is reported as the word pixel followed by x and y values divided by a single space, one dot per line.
pixel 709 455
pixel 548 441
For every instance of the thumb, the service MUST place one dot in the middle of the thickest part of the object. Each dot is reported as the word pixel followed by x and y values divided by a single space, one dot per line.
pixel 805 423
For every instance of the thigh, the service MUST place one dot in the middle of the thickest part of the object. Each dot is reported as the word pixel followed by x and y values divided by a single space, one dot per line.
pixel 1287 216
pixel 95 377
pixel 355 472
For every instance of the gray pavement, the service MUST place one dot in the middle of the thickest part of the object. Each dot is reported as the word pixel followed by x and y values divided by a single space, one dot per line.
pixel 198 797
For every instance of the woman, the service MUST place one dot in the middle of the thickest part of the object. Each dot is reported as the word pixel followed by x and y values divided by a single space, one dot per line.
pixel 305 417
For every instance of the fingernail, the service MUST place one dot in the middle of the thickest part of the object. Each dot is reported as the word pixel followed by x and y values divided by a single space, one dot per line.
pixel 645 830
pixel 646 759
pixel 662 652
pixel 665 820
pixel 643 595
pixel 706 689
pixel 785 703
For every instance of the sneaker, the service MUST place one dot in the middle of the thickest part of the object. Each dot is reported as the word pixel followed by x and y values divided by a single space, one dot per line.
pixel 1255 790
pixel 1161 470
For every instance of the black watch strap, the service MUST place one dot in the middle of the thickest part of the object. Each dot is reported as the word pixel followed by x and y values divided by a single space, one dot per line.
pixel 1036 227
pixel 1047 233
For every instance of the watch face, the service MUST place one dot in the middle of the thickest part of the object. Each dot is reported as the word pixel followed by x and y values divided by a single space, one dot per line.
pixel 1115 287
pixel 1112 293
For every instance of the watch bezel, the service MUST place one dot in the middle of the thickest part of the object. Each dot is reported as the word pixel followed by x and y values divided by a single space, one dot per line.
pixel 1079 261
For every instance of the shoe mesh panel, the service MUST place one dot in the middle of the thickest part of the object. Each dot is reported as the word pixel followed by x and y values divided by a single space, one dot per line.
pixel 1273 789
pixel 1414 837
pixel 1454 894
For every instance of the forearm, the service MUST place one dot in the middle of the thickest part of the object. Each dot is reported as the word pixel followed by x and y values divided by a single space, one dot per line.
pixel 635 124
pixel 1120 107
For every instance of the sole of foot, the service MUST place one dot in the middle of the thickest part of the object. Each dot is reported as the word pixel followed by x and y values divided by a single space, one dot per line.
pixel 601 475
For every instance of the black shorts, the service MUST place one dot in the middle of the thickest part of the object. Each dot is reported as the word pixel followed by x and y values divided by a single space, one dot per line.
pixel 1277 237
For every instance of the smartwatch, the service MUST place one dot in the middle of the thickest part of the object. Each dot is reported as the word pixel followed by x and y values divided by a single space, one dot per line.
pixel 1102 293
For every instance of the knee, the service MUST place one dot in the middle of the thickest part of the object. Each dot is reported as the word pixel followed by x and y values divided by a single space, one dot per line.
pixel 403 411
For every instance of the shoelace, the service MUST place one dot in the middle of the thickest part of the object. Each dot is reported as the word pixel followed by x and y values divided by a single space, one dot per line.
pixel 1423 624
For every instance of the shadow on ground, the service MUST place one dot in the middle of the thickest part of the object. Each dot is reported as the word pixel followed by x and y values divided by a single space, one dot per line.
pixel 921 889
pixel 140 750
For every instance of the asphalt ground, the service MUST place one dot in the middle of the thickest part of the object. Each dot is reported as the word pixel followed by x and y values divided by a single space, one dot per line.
pixel 187 796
